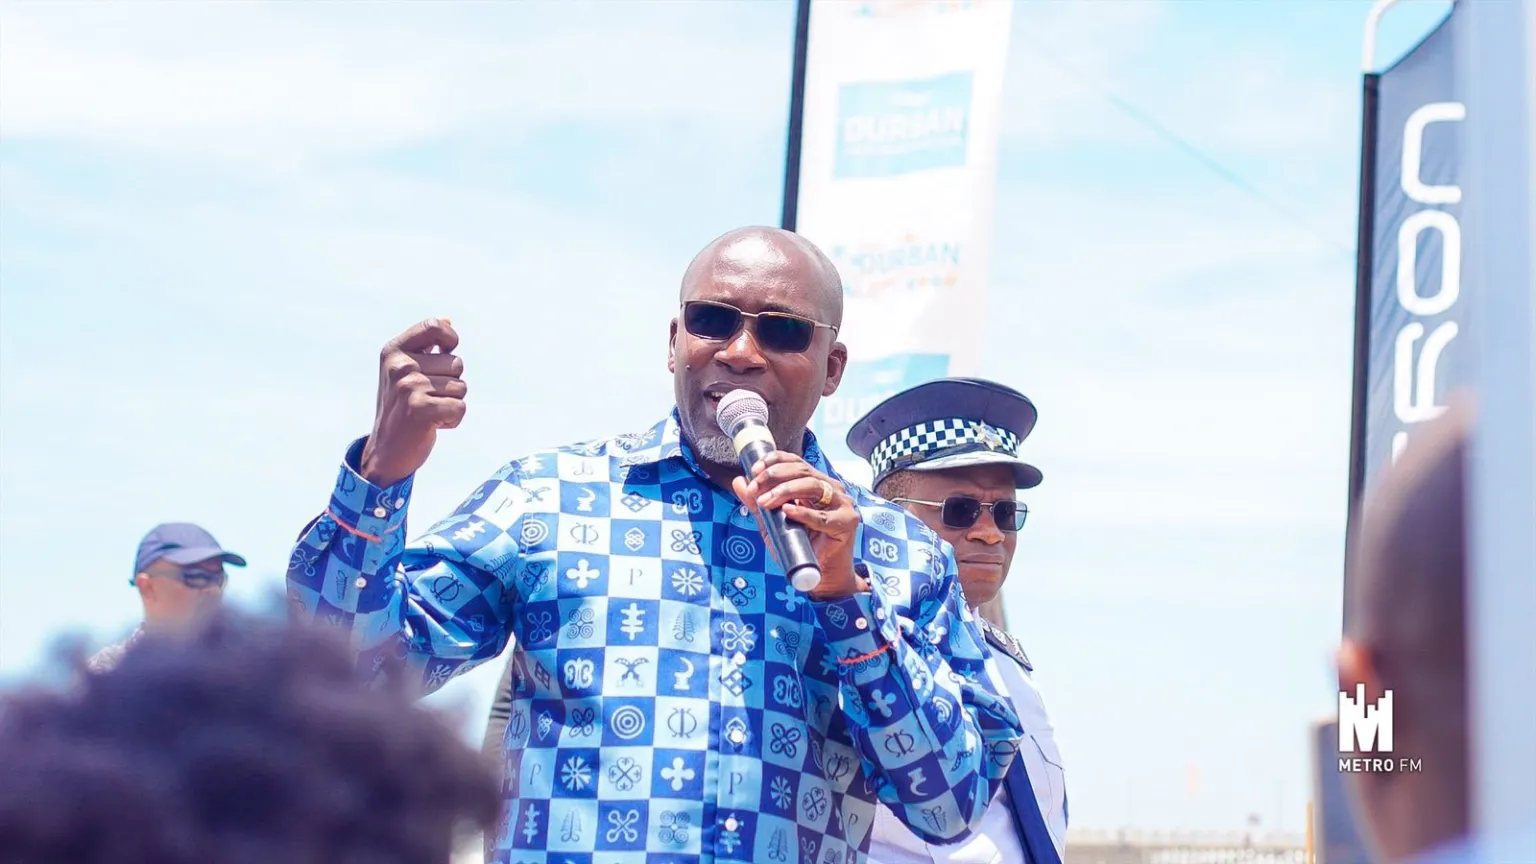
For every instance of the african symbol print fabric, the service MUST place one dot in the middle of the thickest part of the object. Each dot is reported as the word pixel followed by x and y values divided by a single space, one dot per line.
pixel 674 698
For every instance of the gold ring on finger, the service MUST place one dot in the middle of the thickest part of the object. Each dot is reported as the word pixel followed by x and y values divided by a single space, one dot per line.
pixel 826 494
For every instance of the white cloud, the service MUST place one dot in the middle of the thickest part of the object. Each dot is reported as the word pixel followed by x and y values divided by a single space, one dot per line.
pixel 280 81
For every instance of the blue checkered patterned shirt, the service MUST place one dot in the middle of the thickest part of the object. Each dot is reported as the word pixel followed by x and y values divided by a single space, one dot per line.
pixel 674 699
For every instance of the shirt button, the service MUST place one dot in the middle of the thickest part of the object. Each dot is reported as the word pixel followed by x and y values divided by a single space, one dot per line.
pixel 740 659
pixel 742 510
pixel 737 736
pixel 731 823
pixel 399 503
pixel 740 582
pixel 380 512
pixel 361 583
pixel 861 624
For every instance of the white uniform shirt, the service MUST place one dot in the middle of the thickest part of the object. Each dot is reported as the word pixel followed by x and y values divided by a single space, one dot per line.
pixel 996 840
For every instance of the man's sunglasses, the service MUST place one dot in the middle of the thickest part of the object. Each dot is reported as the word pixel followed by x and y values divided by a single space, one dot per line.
pixel 196 579
pixel 962 511
pixel 775 331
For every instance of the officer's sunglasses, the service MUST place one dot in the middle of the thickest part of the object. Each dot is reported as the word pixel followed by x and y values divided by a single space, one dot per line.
pixel 962 511
pixel 775 331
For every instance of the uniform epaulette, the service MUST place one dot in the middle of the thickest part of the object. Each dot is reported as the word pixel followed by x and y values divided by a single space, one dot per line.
pixel 1007 643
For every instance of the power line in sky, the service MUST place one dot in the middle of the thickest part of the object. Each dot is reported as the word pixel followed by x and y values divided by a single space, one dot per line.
pixel 1201 156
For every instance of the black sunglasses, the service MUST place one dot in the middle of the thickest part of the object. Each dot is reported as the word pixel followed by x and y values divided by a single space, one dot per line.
pixel 775 331
pixel 962 511
pixel 196 579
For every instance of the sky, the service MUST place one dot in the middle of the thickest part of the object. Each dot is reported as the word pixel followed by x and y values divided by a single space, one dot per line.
pixel 213 215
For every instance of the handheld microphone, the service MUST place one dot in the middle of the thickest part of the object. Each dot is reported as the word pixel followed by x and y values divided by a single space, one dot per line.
pixel 743 415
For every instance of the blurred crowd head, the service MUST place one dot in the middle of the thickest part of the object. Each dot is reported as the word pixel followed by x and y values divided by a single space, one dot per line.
pixel 241 741
pixel 1406 633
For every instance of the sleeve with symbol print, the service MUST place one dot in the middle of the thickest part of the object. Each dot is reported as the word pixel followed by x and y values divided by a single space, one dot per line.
pixel 442 603
pixel 920 701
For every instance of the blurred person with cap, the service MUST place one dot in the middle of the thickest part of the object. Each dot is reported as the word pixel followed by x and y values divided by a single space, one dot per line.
pixel 947 451
pixel 179 574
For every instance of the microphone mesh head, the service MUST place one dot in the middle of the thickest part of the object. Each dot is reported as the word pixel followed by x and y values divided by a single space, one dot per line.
pixel 737 408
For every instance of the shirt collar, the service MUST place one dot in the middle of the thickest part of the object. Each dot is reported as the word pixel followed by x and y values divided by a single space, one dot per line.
pixel 663 442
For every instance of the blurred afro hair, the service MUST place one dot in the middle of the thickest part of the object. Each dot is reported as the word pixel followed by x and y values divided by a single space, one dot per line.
pixel 246 741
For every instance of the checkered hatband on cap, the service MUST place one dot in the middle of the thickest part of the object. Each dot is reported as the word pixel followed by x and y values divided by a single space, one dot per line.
pixel 934 438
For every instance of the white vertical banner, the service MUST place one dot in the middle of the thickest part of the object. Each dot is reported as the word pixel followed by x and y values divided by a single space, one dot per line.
pixel 1498 74
pixel 898 169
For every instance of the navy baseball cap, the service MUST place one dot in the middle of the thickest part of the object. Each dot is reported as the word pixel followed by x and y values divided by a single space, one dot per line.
pixel 180 543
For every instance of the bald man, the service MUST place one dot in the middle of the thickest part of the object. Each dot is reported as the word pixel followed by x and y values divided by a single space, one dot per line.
pixel 672 696
pixel 1407 633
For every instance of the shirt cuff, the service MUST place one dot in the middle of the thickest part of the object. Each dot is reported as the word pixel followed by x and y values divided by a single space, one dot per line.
pixel 367 510
pixel 853 633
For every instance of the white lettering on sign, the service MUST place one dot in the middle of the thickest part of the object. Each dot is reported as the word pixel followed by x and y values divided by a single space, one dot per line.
pixel 917 124
pixel 1413 377
pixel 1413 152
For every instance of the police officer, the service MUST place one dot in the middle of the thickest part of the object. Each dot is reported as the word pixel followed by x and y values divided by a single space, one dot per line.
pixel 947 451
